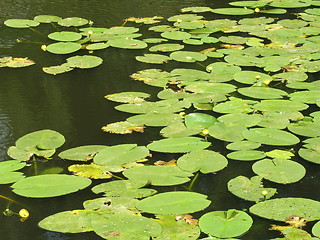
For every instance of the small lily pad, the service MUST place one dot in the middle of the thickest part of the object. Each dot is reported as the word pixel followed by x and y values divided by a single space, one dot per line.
pixel 47 18
pixel 246 155
pixel 243 145
pixel 230 223
pixel 54 70
pixel 153 58
pixel 21 23
pixel 262 92
pixel 127 97
pixel 166 47
pixel 85 61
pixel 187 56
pixel 127 43
pixel 73 22
pixel 123 127
pixel 63 47
pixel 199 119
pixel 65 36
pixel 97 46
pixel 233 11
pixel 92 171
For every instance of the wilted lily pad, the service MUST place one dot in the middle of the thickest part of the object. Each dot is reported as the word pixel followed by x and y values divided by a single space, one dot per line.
pixel 54 70
pixel 279 170
pixel 15 62
pixel 174 203
pixel 50 185
pixel 123 127
pixel 250 189
pixel 85 61
pixel 281 208
pixel 92 170
pixel 230 223
pixel 63 47
pixel 21 23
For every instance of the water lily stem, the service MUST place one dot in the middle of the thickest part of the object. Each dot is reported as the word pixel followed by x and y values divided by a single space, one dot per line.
pixel 36 31
pixel 9 199
pixel 193 181
pixel 117 177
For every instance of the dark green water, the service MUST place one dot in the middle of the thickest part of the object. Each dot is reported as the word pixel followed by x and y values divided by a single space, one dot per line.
pixel 73 104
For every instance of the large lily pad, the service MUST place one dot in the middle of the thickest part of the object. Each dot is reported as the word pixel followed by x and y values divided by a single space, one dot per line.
pixel 85 61
pixel 262 92
pixel 166 47
pixel 230 223
pixel 178 145
pixel 202 160
pixel 270 136
pixel 279 170
pixel 21 23
pixel 63 47
pixel 65 36
pixel 174 203
pixel 305 128
pixel 50 185
pixel 281 208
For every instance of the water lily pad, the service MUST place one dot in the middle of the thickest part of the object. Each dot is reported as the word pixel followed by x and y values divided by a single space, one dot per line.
pixel 122 127
pixel 316 229
pixel 277 153
pixel 82 153
pixel 246 155
pixel 85 61
pixel 250 4
pixel 11 177
pixel 243 145
pixel 209 87
pixel 310 97
pixel 279 170
pixel 233 11
pixel 11 165
pixel 196 9
pixel 270 136
pixel 226 132
pixel 166 47
pixel 262 92
pixel 97 46
pixel 187 56
pixel 202 160
pixel 153 58
pixel 179 129
pixel 174 203
pixel 281 208
pixel 63 47
pixel 120 154
pixel 54 70
pixel 50 185
pixel 65 36
pixel 250 189
pixel 236 105
pixel 127 97
pixel 92 171
pixel 155 119
pixel 21 23
pixel 26 154
pixel 280 106
pixel 199 119
pixel 127 43
pixel 277 120
pixel 290 4
pixel 73 22
pixel 310 155
pixel 15 62
pixel 178 145
pixel 305 128
pixel 184 17
pixel 46 18
pixel 274 11
pixel 158 175
pixel 230 223
pixel 242 119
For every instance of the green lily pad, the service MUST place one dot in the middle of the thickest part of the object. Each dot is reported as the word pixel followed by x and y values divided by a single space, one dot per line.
pixel 277 153
pixel 177 227
pixel 262 92
pixel 246 155
pixel 281 208
pixel 250 4
pixel 11 177
pixel 122 127
pixel 270 136
pixel 242 119
pixel 310 155
pixel 290 4
pixel 124 226
pixel 310 97
pixel 205 161
pixel 236 105
pixel 97 46
pixel 21 23
pixel 127 43
pixel 280 106
pixel 75 221
pixel 82 153
pixel 155 119
pixel 153 58
pixel 305 128
pixel 199 119
pixel 11 165
pixel 279 170
pixel 233 11
pixel 128 97
pixel 118 155
pixel 193 41
pixel 209 87
pixel 166 47
pixel 196 9
pixel 316 229
pixel 274 11
pixel 226 133
pixel 243 145
pixel 174 203
pixel 63 47
pixel 46 18
pixel 158 175
pixel 54 70
pixel 73 22
pixel 230 223
pixel 15 62
pixel 250 189
pixel 85 61
pixel 26 154
pixel 50 185
pixel 184 18
pixel 179 129
pixel 277 120
pixel 178 145
pixel 65 36
pixel 187 56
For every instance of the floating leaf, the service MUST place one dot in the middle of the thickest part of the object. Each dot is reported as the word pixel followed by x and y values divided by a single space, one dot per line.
pixel 187 56
pixel 155 119
pixel 226 133
pixel 54 70
pixel 97 46
pixel 199 119
pixel 85 61
pixel 310 155
pixel 158 175
pixel 250 189
pixel 270 136
pixel 123 127
pixel 233 11
pixel 279 170
pixel 174 203
pixel 46 18
pixel 92 170
pixel 310 97
pixel 15 62
pixel 166 47
pixel 11 177
pixel 73 22
pixel 230 223
pixel 236 105
pixel 281 208
pixel 243 145
pixel 21 23
pixel 277 153
pixel 305 128
pixel 118 155
pixel 184 17
pixel 196 9
pixel 128 97
pixel 250 4
pixel 246 155
pixel 50 185
pixel 11 165
pixel 153 58
pixel 178 145
pixel 262 92
pixel 65 36
pixel 316 229
pixel 202 160
pixel 290 4
pixel 240 119
pixel 179 130
pixel 63 47
pixel 127 43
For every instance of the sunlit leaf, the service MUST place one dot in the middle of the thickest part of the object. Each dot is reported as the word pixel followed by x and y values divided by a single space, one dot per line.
pixel 123 127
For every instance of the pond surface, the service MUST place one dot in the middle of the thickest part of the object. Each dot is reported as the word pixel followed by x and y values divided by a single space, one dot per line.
pixel 74 105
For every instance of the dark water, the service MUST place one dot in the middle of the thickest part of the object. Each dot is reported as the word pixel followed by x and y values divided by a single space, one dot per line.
pixel 73 104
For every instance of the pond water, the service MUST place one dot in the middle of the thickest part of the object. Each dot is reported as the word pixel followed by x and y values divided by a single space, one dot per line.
pixel 74 105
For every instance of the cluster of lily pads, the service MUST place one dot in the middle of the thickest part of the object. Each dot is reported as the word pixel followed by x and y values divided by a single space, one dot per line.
pixel 256 89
